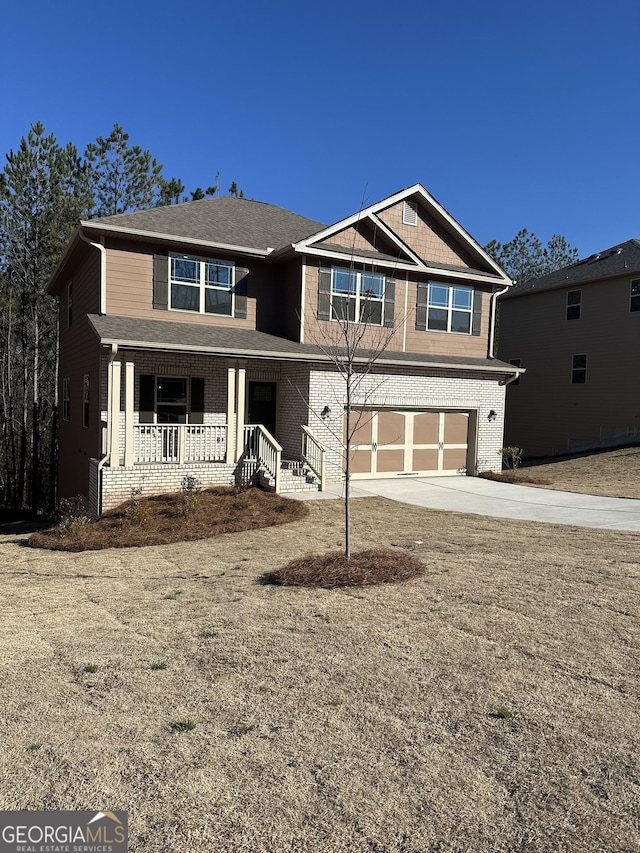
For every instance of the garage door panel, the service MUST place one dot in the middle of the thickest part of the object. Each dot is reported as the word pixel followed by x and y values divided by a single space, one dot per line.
pixel 360 461
pixel 425 460
pixel 390 461
pixel 362 421
pixel 426 428
pixel 456 426
pixel 454 458
pixel 391 428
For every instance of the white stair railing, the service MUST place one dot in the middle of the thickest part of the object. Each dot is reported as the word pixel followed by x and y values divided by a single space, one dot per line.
pixel 259 444
pixel 314 454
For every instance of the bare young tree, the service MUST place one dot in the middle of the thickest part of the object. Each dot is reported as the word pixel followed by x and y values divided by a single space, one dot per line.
pixel 355 324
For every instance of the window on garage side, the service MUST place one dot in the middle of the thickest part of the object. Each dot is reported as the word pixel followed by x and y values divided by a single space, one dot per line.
pixel 444 307
pixel 579 369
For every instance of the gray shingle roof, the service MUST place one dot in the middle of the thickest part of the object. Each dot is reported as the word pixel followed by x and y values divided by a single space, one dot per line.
pixel 130 332
pixel 224 220
pixel 622 259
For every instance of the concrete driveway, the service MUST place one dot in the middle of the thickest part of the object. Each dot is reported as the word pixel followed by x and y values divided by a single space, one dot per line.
pixel 503 500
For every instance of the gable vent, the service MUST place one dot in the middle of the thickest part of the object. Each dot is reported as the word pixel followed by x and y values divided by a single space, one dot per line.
pixel 409 213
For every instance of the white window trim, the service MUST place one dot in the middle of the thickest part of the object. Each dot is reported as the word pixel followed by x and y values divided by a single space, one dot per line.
pixel 357 295
pixel 202 286
pixel 449 308
pixel 633 296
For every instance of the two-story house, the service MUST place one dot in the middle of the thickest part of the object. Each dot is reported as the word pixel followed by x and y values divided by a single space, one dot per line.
pixel 192 343
pixel 577 332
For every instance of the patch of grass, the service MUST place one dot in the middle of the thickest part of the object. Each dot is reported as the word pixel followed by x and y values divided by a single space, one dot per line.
pixel 158 664
pixel 245 728
pixel 207 634
pixel 91 667
pixel 186 724
pixel 34 747
pixel 171 596
pixel 373 566
pixel 501 713
pixel 161 519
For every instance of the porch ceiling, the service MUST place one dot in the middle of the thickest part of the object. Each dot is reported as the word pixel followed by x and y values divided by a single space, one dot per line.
pixel 134 333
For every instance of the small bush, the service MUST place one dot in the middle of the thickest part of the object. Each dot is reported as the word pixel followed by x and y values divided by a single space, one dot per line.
pixel 501 713
pixel 71 516
pixel 334 570
pixel 511 458
pixel 190 489
pixel 91 667
pixel 186 724
pixel 136 512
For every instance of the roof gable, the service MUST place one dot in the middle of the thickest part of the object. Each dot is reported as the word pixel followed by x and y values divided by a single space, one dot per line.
pixel 437 242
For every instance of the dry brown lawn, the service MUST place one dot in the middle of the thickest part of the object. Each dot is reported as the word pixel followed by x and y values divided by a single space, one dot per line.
pixel 615 473
pixel 490 705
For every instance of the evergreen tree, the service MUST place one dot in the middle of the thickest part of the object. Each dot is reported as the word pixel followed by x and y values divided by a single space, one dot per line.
pixel 122 177
pixel 41 199
pixel 525 257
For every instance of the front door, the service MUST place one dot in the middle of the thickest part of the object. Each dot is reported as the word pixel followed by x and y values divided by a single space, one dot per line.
pixel 262 405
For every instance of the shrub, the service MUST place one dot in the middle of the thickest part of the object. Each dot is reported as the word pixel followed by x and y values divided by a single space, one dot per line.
pixel 511 458
pixel 136 512
pixel 190 489
pixel 71 516
pixel 186 724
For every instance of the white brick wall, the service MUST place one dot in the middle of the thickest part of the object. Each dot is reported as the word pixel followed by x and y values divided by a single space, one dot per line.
pixel 404 389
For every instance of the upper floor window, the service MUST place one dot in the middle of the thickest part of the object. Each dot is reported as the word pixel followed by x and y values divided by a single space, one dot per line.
pixel 449 308
pixel 579 369
pixel 200 285
pixel 635 295
pixel 574 304
pixel 357 295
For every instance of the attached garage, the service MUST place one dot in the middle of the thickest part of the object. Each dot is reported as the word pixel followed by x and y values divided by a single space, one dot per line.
pixel 391 443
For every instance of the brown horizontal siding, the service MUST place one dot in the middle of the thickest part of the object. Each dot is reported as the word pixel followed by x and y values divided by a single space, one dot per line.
pixel 79 354
pixel 418 341
pixel 546 412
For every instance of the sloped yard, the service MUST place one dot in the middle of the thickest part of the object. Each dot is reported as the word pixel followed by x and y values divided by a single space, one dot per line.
pixel 490 705
pixel 613 473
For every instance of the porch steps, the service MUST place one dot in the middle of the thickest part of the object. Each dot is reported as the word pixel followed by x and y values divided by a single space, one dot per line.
pixel 294 477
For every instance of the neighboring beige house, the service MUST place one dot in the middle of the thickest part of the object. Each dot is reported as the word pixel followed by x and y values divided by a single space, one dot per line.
pixel 577 333
pixel 189 346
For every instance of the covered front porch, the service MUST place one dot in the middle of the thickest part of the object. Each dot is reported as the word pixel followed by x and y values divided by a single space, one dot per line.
pixel 166 417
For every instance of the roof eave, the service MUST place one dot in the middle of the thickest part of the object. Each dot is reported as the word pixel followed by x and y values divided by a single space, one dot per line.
pixel 157 236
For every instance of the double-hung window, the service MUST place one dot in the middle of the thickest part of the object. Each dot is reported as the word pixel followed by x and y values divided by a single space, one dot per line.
pixel 579 369
pixel 574 304
pixel 205 286
pixel 635 295
pixel 357 295
pixel 449 308
pixel 66 399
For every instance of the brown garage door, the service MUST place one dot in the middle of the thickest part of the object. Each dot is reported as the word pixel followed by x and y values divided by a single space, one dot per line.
pixel 389 443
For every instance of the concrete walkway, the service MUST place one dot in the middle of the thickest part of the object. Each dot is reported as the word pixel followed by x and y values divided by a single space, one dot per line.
pixel 502 500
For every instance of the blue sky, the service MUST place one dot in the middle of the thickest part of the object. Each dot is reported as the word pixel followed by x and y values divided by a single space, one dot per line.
pixel 512 115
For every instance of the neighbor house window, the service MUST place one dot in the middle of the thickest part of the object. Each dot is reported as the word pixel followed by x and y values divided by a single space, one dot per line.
pixel 579 369
pixel 200 285
pixel 449 308
pixel 85 399
pixel 574 304
pixel 69 304
pixel 66 399
pixel 635 294
pixel 516 362
pixel 357 295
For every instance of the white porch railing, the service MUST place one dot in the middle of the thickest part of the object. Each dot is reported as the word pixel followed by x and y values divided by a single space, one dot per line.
pixel 179 443
pixel 259 444
pixel 314 454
